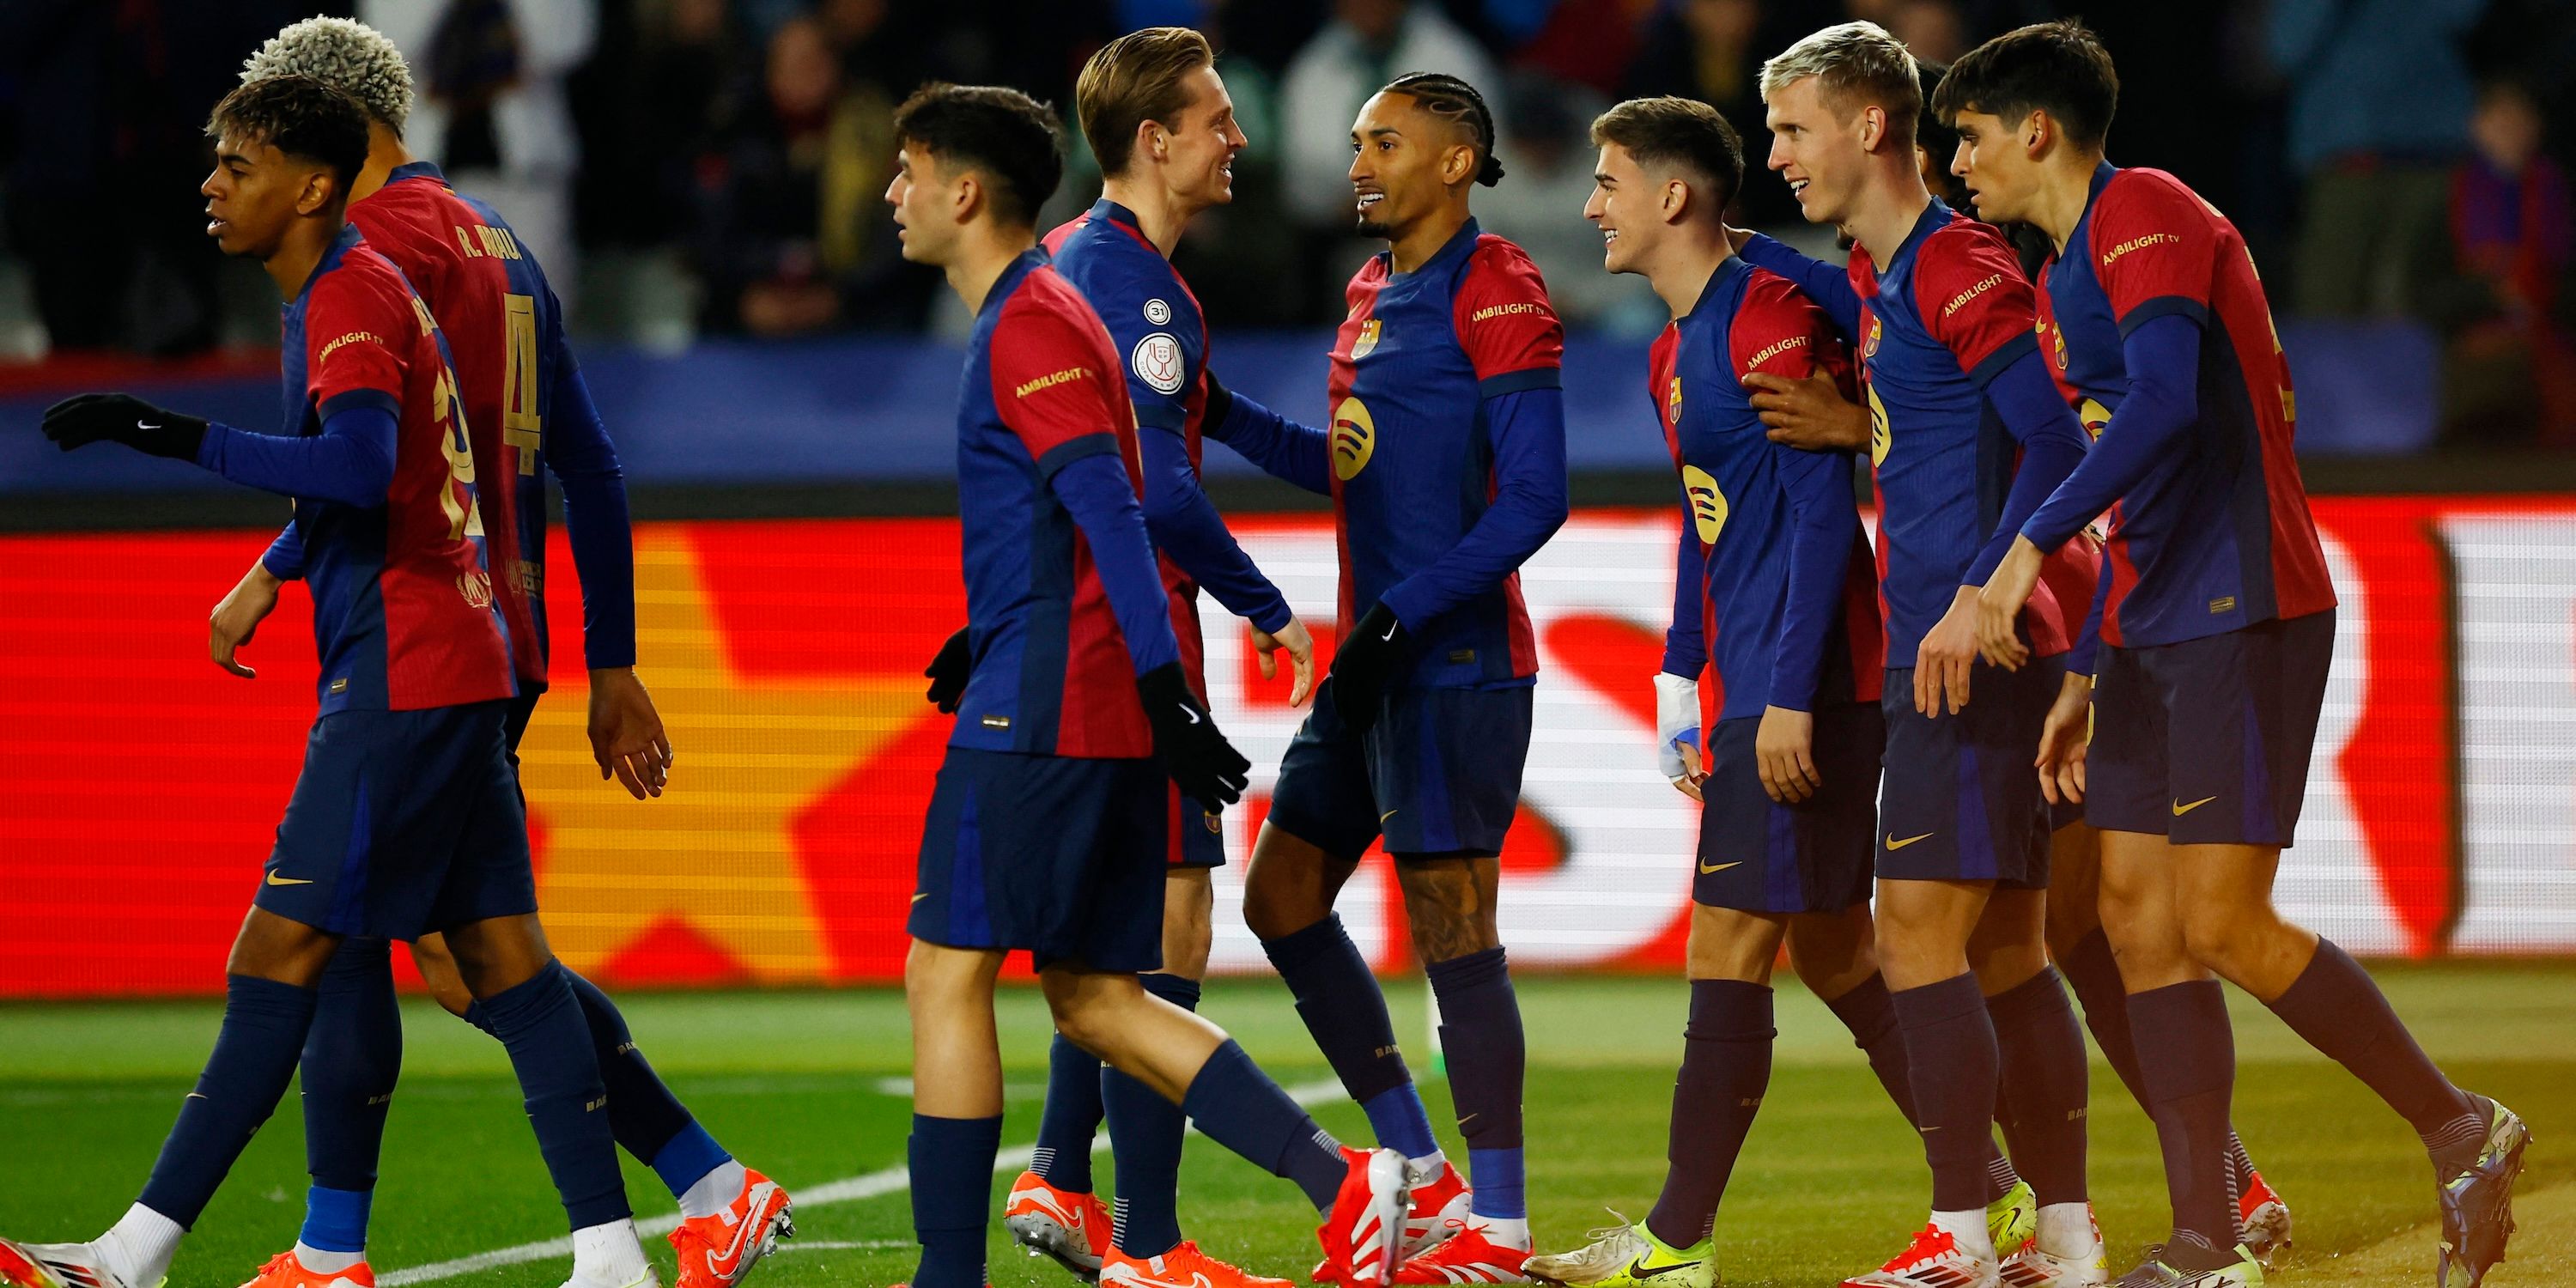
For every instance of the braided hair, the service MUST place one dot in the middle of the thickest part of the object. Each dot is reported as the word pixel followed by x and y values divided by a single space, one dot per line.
pixel 1456 101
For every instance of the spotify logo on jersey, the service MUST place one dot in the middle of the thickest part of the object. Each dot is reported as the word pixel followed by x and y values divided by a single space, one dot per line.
pixel 1354 439
pixel 1707 504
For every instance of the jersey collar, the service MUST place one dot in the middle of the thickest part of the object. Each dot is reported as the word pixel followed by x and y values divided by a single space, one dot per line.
pixel 416 170
pixel 1935 215
pixel 1009 281
pixel 1466 236
pixel 2102 176
pixel 1718 282
pixel 339 249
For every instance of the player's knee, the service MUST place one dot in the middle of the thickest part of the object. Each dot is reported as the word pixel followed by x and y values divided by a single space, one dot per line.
pixel 2217 939
pixel 439 975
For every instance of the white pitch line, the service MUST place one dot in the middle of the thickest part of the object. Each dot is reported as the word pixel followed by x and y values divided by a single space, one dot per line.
pixel 849 1189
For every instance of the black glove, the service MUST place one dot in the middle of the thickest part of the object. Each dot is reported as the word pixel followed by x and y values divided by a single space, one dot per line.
pixel 1364 660
pixel 1219 405
pixel 1206 766
pixel 948 672
pixel 123 418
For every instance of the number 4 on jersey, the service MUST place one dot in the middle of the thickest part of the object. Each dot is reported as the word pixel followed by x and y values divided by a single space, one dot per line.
pixel 522 429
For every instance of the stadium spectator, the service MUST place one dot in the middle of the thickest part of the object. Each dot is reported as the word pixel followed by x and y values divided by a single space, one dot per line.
pixel 2513 364
pixel 1548 151
pixel 492 108
pixel 786 238
pixel 2379 109
pixel 1712 50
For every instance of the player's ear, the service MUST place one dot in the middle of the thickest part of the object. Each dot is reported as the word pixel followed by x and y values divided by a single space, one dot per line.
pixel 1873 127
pixel 970 198
pixel 1677 199
pixel 320 186
pixel 1458 164
pixel 1153 140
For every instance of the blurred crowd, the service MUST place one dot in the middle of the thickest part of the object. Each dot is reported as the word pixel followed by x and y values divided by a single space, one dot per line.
pixel 714 167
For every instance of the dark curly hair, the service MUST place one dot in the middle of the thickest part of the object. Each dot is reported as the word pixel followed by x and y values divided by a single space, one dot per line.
pixel 1008 135
pixel 301 117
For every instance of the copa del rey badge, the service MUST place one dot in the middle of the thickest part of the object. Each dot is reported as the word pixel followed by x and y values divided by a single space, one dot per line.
pixel 1157 360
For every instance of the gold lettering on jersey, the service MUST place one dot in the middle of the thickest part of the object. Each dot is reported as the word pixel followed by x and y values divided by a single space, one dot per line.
pixel 1354 438
pixel 1960 300
pixel 1051 380
pixel 1793 342
pixel 420 312
pixel 476 587
pixel 2289 405
pixel 1506 310
pixel 2226 604
pixel 1366 344
pixel 354 337
pixel 1707 504
pixel 2138 243
pixel 483 241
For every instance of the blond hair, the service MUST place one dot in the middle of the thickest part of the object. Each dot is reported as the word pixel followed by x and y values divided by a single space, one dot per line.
pixel 1856 65
pixel 346 55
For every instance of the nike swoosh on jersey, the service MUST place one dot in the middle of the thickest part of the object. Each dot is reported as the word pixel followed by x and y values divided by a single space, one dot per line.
pixel 1720 867
pixel 274 879
pixel 1894 844
pixel 2181 809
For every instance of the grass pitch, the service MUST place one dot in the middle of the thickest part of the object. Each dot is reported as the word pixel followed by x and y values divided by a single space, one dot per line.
pixel 809 1088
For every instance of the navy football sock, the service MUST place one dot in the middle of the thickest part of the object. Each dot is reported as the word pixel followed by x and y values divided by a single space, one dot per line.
pixel 2338 1008
pixel 2044 1085
pixel 2095 976
pixel 352 1059
pixel 1342 1006
pixel 646 1118
pixel 1866 1010
pixel 952 1197
pixel 1145 1133
pixel 1480 1030
pixel 540 1023
pixel 1726 1068
pixel 2187 1053
pixel 245 1076
pixel 1074 1109
pixel 1239 1107
pixel 1950 1062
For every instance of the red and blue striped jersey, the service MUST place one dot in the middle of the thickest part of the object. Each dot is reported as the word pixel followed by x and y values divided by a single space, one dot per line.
pixel 403 615
pixel 1052 673
pixel 2215 533
pixel 1420 453
pixel 505 328
pixel 1155 323
pixel 1775 580
pixel 1945 316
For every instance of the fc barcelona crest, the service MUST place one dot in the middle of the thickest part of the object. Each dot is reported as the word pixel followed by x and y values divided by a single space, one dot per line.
pixel 1367 342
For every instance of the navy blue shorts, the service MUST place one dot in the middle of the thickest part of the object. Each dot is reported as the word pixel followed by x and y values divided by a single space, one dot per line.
pixel 1439 775
pixel 402 823
pixel 2063 813
pixel 1960 800
pixel 1059 855
pixel 1197 836
pixel 1759 855
pixel 2207 741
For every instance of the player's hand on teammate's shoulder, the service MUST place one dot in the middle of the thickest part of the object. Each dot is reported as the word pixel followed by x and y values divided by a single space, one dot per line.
pixel 1784 750
pixel 626 735
pixel 1809 412
pixel 1205 766
pixel 83 419
pixel 237 616
pixel 1300 644
pixel 2063 739
pixel 1736 237
pixel 1942 661
pixel 1999 605
pixel 948 672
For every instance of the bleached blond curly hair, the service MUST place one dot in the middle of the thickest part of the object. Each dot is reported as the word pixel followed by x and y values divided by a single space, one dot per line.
pixel 346 55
